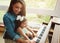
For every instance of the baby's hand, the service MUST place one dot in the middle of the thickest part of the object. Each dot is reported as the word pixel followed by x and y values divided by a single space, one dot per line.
pixel 32 41
pixel 35 35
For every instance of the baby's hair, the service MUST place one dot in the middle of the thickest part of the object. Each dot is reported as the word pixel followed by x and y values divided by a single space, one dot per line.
pixel 18 23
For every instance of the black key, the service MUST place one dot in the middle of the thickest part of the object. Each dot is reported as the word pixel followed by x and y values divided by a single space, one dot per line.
pixel 39 37
pixel 41 34
pixel 38 40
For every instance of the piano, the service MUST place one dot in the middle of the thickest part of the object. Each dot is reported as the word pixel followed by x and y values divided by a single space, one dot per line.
pixel 42 33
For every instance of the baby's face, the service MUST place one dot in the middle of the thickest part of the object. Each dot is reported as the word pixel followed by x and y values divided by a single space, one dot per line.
pixel 24 24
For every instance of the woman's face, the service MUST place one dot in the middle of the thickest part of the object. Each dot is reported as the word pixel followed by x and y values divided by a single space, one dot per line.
pixel 17 8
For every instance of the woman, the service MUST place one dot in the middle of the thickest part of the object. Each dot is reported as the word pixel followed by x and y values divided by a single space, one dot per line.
pixel 17 7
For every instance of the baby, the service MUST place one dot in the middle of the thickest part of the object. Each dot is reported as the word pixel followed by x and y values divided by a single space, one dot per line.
pixel 23 29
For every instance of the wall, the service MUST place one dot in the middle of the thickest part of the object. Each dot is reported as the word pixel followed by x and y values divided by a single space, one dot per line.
pixel 55 12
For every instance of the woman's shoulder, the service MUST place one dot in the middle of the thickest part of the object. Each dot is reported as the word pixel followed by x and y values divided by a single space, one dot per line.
pixel 7 15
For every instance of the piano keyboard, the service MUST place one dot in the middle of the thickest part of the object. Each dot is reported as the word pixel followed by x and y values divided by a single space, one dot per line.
pixel 42 33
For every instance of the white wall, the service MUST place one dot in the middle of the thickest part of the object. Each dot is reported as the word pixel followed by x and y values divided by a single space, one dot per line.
pixel 55 12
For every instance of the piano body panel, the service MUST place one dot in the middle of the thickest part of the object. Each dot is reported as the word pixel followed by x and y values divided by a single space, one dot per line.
pixel 56 34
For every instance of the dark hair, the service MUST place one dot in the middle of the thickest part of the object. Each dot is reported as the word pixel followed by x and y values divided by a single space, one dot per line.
pixel 23 12
pixel 18 23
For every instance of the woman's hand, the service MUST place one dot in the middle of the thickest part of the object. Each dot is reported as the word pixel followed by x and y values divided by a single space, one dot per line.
pixel 30 41
pixel 23 41
pixel 27 41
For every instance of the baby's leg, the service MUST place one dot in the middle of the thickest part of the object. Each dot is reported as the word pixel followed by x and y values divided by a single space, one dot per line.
pixel 29 35
pixel 18 42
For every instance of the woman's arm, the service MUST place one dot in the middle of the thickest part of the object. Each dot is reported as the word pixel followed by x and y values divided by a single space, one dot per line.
pixel 19 30
pixel 20 40
pixel 9 28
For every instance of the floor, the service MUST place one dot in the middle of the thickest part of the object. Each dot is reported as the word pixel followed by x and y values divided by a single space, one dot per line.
pixel 1 38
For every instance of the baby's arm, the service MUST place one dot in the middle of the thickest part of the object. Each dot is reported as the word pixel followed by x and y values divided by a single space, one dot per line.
pixel 30 30
pixel 19 30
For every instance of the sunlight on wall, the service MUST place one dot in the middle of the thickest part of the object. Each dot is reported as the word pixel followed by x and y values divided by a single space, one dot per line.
pixel 41 4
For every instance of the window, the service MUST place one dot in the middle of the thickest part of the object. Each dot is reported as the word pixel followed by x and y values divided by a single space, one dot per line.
pixel 38 18
pixel 3 8
pixel 34 4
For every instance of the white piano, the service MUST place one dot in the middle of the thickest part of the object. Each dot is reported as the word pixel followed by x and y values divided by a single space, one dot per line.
pixel 42 33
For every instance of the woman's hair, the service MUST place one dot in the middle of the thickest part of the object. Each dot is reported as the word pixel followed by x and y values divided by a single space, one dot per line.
pixel 18 23
pixel 23 12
